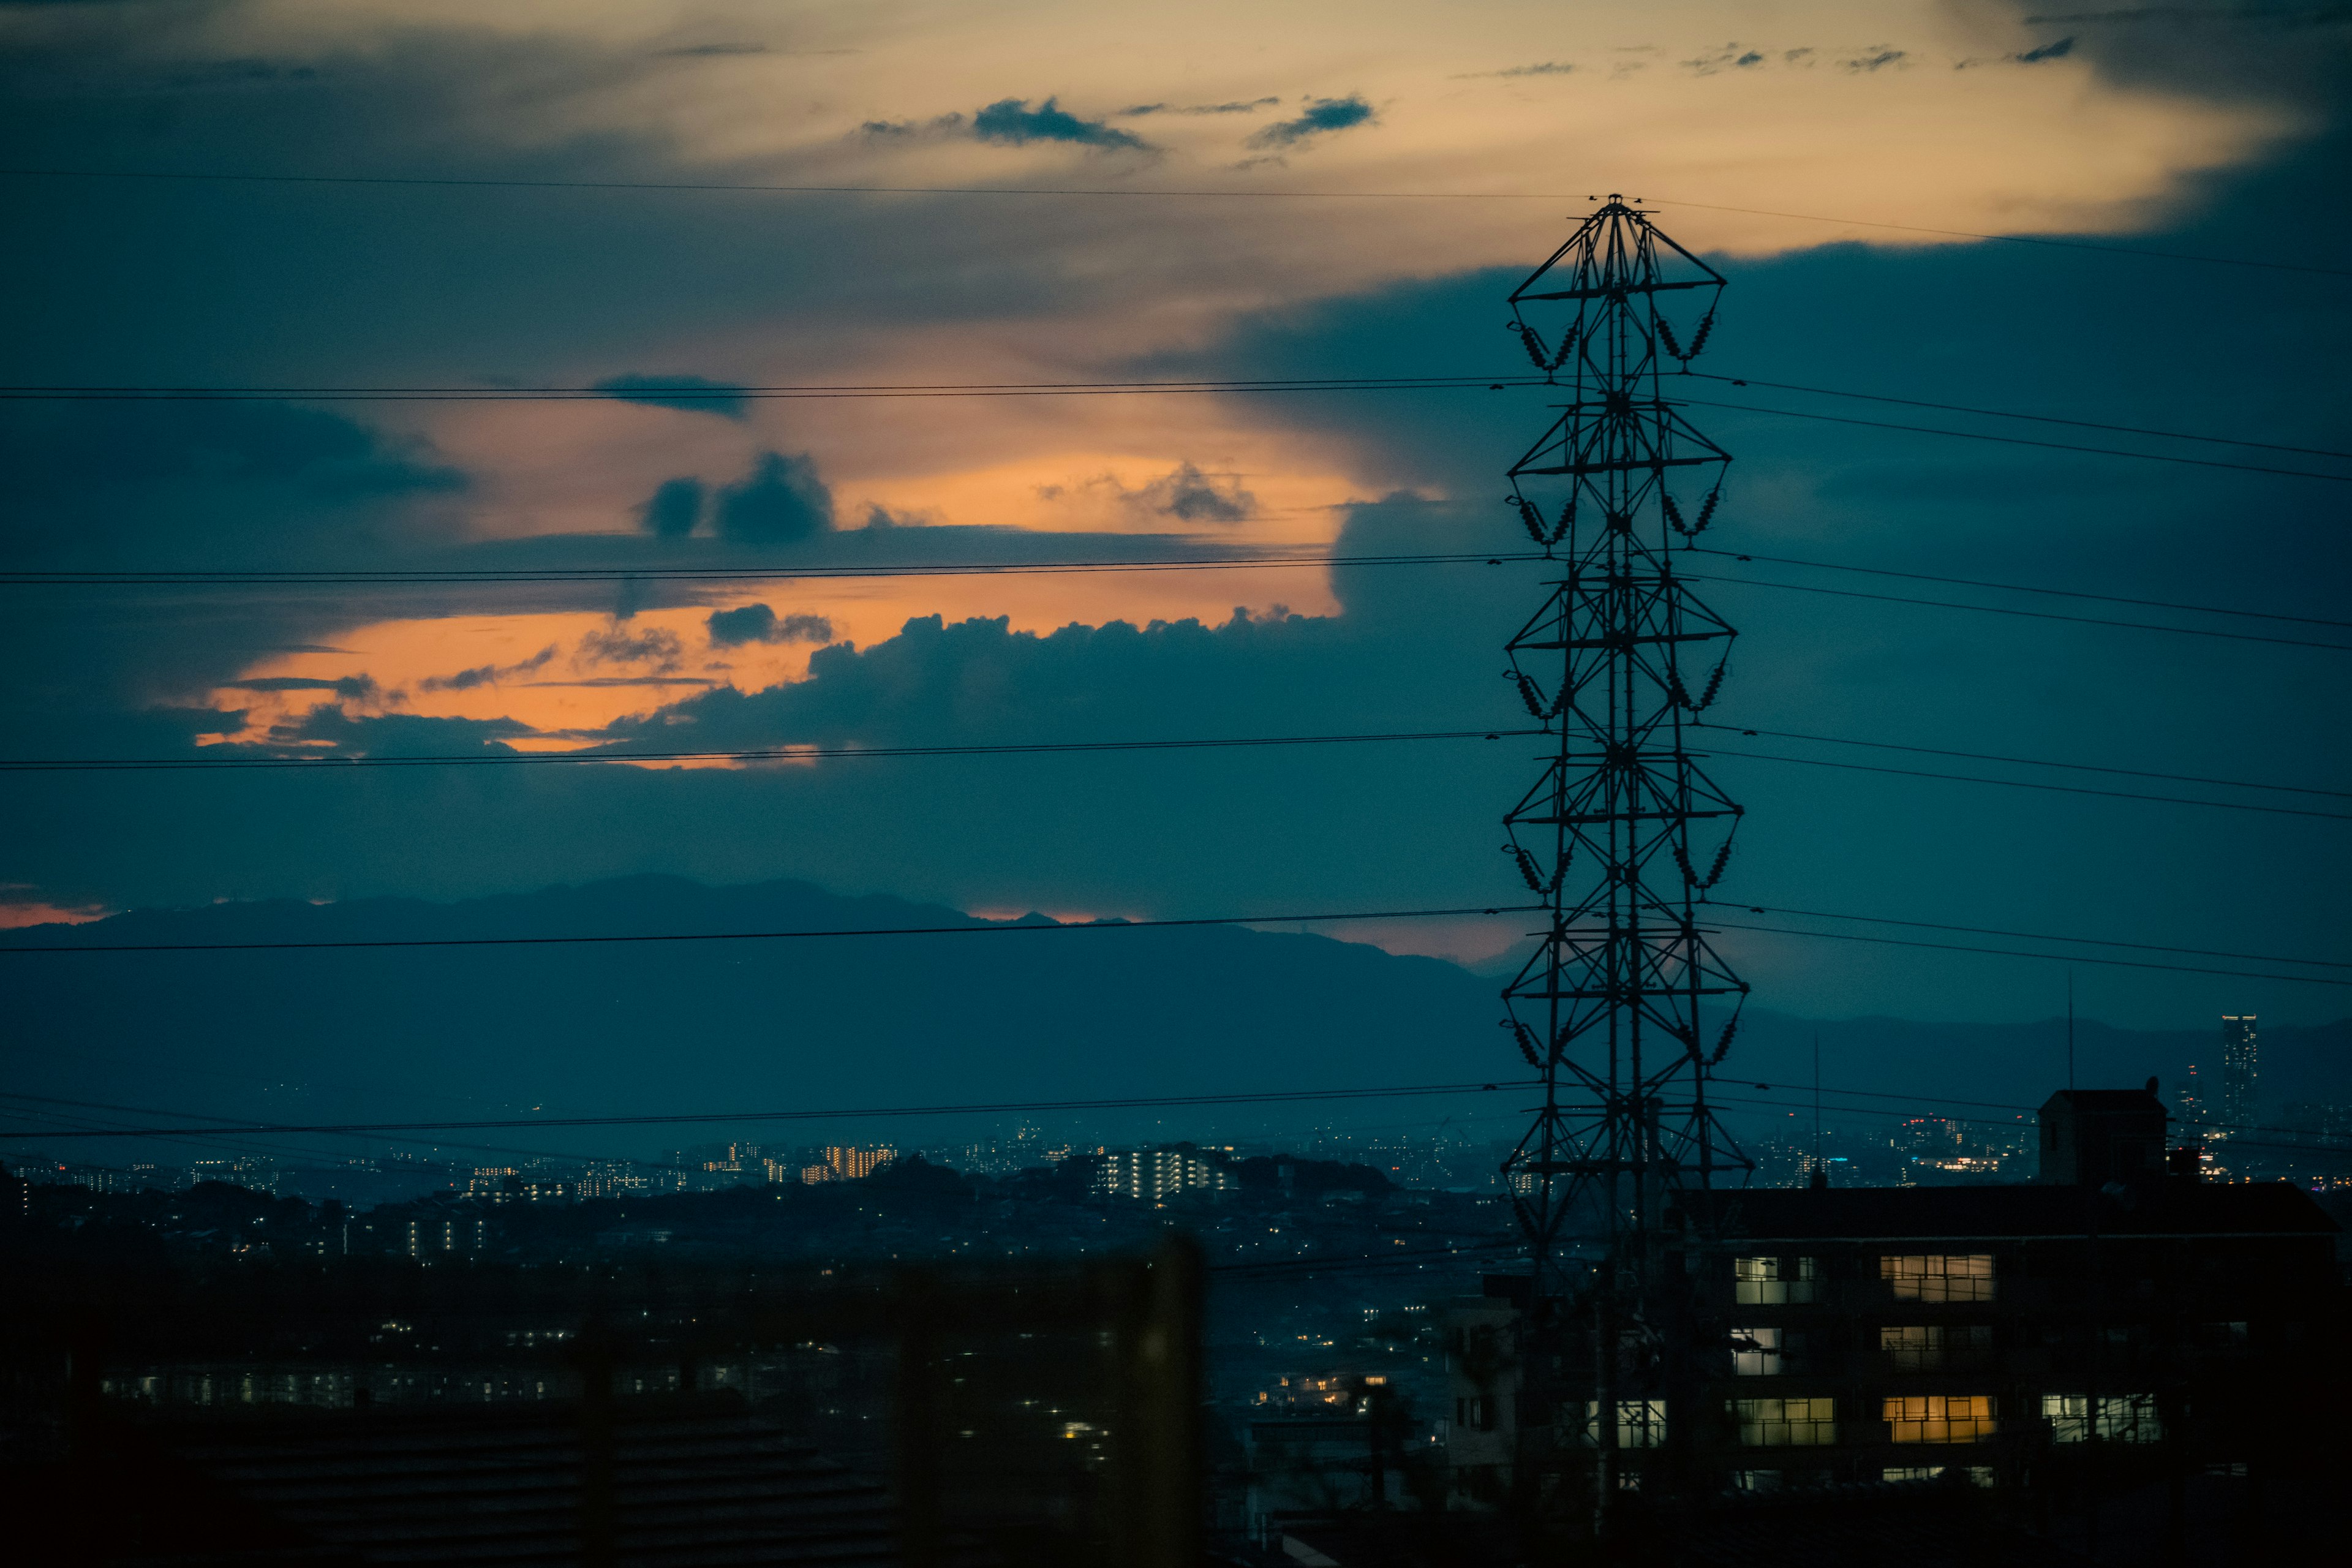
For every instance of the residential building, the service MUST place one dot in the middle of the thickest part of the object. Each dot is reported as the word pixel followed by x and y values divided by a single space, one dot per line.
pixel 1157 1174
pixel 2118 1306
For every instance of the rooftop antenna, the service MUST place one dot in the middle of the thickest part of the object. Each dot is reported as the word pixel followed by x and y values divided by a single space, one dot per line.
pixel 2069 1031
pixel 1819 1169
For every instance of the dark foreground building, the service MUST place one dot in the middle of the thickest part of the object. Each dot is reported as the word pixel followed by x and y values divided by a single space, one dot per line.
pixel 2117 1348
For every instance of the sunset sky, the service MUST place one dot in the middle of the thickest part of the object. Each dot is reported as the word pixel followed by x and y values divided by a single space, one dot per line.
pixel 1208 191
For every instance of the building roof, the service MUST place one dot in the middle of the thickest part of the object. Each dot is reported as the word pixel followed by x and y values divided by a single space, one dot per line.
pixel 695 1482
pixel 1988 1212
pixel 2106 1102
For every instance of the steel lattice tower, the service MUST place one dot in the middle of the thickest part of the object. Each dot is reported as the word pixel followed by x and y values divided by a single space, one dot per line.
pixel 1623 832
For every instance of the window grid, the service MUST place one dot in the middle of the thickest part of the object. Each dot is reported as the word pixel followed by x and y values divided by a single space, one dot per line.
pixel 1928 1347
pixel 1772 1281
pixel 1956 1276
pixel 2123 1417
pixel 1756 1353
pixel 1641 1423
pixel 1786 1423
pixel 1940 1418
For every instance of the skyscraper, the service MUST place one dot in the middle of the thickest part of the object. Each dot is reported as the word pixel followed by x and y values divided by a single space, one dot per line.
pixel 2237 1071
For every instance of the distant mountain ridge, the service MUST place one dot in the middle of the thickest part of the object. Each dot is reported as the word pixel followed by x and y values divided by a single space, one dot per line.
pixel 397 1034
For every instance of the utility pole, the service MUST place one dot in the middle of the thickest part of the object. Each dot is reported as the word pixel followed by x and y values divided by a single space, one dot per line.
pixel 1622 833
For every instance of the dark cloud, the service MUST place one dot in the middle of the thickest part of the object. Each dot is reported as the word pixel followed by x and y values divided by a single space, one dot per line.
pixel 1731 57
pixel 1543 68
pixel 2052 51
pixel 2294 56
pixel 1322 117
pixel 1877 57
pixel 673 510
pixel 356 688
pixel 1190 496
pixel 202 484
pixel 757 623
pixel 396 734
pixel 783 501
pixel 910 130
pixel 1012 120
pixel 657 647
pixel 1249 106
pixel 486 674
pixel 692 394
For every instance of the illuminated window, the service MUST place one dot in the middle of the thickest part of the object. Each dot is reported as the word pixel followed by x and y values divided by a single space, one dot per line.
pixel 1786 1423
pixel 1939 1419
pixel 1772 1281
pixel 1926 1347
pixel 1959 1276
pixel 1756 1353
pixel 1641 1423
pixel 2123 1417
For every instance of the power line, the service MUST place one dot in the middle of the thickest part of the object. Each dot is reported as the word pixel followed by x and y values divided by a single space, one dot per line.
pixel 230 1124
pixel 2024 441
pixel 2029 615
pixel 10 949
pixel 2021 239
pixel 429 182
pixel 2046 936
pixel 2052 957
pixel 773 753
pixel 983 929
pixel 2013 588
pixel 657 394
pixel 2035 784
pixel 424 576
pixel 2009 414
pixel 1002 1108
pixel 2024 762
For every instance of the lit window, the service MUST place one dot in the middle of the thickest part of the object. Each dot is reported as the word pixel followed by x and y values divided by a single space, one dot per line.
pixel 1939 1419
pixel 1641 1423
pixel 1756 1353
pixel 2123 1417
pixel 1772 1281
pixel 1786 1423
pixel 1959 1276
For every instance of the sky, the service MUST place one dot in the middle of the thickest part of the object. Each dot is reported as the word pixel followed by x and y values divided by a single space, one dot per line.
pixel 1302 191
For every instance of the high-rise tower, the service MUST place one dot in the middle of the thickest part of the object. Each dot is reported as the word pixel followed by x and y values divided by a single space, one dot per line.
pixel 2237 1071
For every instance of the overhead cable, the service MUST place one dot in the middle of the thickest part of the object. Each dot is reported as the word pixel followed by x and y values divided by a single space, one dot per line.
pixel 2035 784
pixel 2045 936
pixel 1006 929
pixel 2026 614
pixel 2046 957
pixel 2025 441
pixel 2015 588
pixel 11 949
pixel 1130 192
pixel 788 753
pixel 2010 414
pixel 2021 762
pixel 429 576
pixel 989 1108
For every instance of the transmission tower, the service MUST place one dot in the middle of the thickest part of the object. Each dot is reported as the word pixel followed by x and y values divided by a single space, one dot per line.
pixel 1623 832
